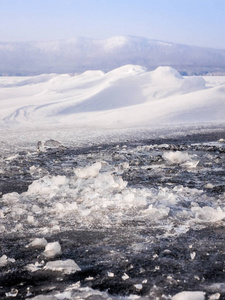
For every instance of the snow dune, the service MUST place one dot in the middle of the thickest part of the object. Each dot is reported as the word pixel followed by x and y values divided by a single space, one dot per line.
pixel 128 96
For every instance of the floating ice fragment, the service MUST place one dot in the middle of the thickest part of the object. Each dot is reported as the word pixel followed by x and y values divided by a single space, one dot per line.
pixel 182 158
pixel 3 260
pixel 12 157
pixel 52 250
pixel 144 281
pixel 38 243
pixel 90 171
pixel 11 260
pixel 190 164
pixel 44 297
pixel 12 293
pixel 138 286
pixel 176 157
pixel 208 214
pixel 65 266
pixel 189 296
pixel 193 254
pixel 49 144
pixel 125 276
pixel 89 278
pixel 35 267
pixel 214 296
pixel 216 287
pixel 209 186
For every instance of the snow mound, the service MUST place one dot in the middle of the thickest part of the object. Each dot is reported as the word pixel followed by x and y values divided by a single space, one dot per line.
pixel 163 73
pixel 126 96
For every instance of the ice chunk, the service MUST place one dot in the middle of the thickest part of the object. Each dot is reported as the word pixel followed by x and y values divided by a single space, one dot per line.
pixel 90 171
pixel 193 254
pixel 35 267
pixel 189 296
pixel 176 157
pixel 214 296
pixel 216 287
pixel 47 185
pixel 125 276
pixel 52 250
pixel 12 293
pixel 38 243
pixel 49 144
pixel 11 198
pixel 110 274
pixel 208 214
pixel 65 266
pixel 3 260
pixel 44 297
pixel 138 286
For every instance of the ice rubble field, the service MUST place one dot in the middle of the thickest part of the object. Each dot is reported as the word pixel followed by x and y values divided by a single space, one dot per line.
pixel 97 196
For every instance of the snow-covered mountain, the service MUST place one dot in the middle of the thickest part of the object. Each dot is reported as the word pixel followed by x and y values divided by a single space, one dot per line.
pixel 81 54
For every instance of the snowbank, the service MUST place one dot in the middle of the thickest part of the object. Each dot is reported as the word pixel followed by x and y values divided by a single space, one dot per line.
pixel 129 96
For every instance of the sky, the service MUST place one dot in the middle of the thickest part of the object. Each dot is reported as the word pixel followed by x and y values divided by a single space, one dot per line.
pixel 192 22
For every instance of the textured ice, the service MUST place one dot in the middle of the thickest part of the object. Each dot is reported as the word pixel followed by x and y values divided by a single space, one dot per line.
pixel 189 296
pixel 37 243
pixel 3 260
pixel 176 157
pixel 96 196
pixel 52 250
pixel 65 266
pixel 76 292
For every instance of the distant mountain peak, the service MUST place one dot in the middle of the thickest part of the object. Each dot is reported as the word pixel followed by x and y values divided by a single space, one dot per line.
pixel 81 54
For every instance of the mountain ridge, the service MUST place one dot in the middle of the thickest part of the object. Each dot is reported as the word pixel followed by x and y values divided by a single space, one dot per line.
pixel 81 54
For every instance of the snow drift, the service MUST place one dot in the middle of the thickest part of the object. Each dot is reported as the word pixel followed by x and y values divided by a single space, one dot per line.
pixel 125 97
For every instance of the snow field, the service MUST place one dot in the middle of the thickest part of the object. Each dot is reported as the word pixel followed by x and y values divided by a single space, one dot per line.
pixel 129 96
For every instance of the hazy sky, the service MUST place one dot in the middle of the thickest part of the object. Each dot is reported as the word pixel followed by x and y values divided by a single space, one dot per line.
pixel 192 22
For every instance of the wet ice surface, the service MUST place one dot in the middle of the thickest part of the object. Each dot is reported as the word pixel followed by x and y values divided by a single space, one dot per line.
pixel 135 219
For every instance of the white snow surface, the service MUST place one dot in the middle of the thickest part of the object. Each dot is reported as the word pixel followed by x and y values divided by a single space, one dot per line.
pixel 127 97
